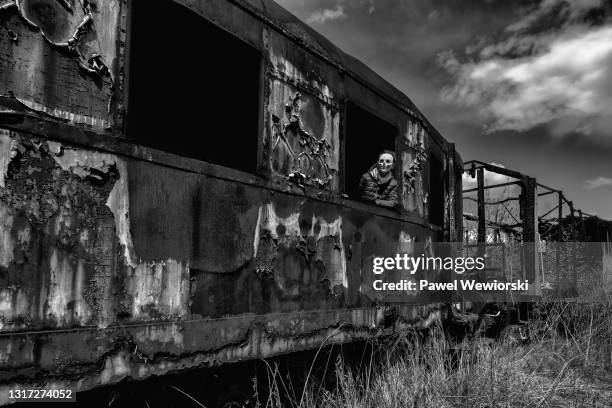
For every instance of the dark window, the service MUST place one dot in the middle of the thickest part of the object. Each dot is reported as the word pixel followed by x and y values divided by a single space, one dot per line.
pixel 194 88
pixel 366 136
pixel 437 184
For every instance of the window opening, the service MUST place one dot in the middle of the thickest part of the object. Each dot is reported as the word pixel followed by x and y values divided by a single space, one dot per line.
pixel 367 136
pixel 194 88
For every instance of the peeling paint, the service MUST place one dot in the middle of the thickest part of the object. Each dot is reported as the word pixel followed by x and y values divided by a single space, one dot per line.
pixel 269 221
pixel 310 162
pixel 14 304
pixel 81 163
pixel 47 50
pixel 330 251
pixel 6 240
pixel 48 196
pixel 63 114
pixel 429 247
pixel 285 70
pixel 115 369
pixel 160 288
pixel 267 236
pixel 7 145
pixel 405 244
pixel 166 335
pixel 118 202
pixel 65 29
pixel 66 291
pixel 414 169
pixel 327 238
pixel 304 137
pixel 416 134
pixel 413 194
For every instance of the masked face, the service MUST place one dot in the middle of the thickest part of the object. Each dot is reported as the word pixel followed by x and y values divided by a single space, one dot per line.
pixel 385 164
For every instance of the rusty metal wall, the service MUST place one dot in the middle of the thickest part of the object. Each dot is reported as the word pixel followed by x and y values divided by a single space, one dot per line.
pixel 93 238
pixel 119 260
pixel 59 57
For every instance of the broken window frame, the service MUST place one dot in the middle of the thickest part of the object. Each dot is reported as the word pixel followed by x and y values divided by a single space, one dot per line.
pixel 344 191
pixel 257 170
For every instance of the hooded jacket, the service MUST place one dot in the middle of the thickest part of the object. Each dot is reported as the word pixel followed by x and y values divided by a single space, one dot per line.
pixel 383 194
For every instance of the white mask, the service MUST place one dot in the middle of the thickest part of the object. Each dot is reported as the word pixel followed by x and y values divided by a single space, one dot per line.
pixel 385 164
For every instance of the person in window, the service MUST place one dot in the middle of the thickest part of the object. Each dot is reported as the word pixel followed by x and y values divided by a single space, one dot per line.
pixel 378 185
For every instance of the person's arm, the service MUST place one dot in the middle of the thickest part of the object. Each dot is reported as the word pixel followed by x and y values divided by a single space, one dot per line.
pixel 392 199
pixel 364 191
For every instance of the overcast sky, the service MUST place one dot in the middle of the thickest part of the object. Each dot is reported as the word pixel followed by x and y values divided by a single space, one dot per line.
pixel 522 83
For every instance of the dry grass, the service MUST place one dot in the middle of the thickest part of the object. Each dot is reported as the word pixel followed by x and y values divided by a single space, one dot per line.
pixel 566 363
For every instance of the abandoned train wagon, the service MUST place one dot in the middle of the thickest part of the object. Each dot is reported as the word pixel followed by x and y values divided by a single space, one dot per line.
pixel 178 189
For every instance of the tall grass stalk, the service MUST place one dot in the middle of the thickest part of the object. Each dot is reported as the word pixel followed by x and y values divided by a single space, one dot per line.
pixel 566 363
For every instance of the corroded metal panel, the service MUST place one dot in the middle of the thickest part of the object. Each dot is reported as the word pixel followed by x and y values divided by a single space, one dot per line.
pixel 304 138
pixel 86 224
pixel 60 56
pixel 88 358
pixel 117 261
pixel 90 250
pixel 59 266
pixel 414 164
pixel 302 116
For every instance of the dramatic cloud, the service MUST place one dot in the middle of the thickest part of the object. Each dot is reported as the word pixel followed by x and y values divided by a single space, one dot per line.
pixel 491 178
pixel 553 66
pixel 598 183
pixel 322 16
pixel 556 13
pixel 371 6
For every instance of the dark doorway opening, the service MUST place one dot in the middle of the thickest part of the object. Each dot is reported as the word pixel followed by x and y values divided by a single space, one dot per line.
pixel 366 136
pixel 193 87
pixel 437 184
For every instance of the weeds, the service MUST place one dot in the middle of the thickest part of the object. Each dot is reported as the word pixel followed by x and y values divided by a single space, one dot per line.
pixel 566 363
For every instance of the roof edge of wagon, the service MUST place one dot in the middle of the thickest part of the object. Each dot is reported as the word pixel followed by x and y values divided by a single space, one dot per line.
pixel 302 33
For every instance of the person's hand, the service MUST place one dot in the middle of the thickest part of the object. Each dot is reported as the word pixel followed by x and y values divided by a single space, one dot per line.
pixel 380 202
pixel 374 173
